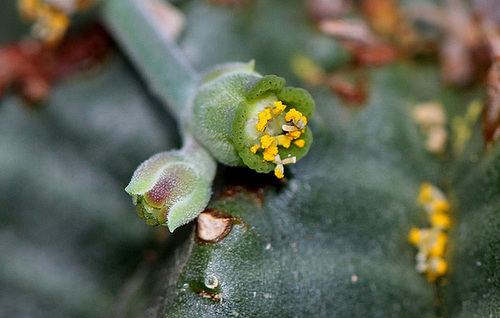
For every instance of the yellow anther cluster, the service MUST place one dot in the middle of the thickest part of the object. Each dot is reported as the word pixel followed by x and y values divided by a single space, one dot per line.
pixel 270 152
pixel 51 22
pixel 278 108
pixel 292 127
pixel 264 117
pixel 266 141
pixel 431 242
pixel 293 114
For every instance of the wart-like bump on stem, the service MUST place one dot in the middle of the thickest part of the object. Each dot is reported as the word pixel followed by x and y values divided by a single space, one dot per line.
pixel 213 225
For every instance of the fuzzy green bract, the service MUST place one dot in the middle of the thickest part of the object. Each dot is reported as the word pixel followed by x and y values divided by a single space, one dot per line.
pixel 172 188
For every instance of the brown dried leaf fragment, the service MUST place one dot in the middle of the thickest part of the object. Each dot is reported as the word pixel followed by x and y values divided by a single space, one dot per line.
pixel 491 113
pixel 327 9
pixel 465 51
pixel 31 67
pixel 367 49
pixel 354 93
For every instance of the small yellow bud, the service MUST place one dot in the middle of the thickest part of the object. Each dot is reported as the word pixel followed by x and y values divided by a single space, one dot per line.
pixel 29 8
pixel 439 206
pixel 439 245
pixel 436 267
pixel 425 194
pixel 440 220
pixel 415 236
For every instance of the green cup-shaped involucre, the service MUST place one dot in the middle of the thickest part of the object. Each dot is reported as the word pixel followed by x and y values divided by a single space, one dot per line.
pixel 245 119
pixel 172 188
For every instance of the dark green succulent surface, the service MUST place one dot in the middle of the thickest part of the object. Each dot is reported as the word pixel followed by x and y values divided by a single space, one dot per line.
pixel 329 241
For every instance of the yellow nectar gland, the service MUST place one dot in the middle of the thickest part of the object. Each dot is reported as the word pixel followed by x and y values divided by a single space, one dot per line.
pixel 300 143
pixel 293 127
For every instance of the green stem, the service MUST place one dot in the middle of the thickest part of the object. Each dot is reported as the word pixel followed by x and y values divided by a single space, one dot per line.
pixel 163 65
pixel 205 163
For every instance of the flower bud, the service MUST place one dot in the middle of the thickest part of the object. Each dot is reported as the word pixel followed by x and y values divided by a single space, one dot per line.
pixel 172 188
pixel 245 119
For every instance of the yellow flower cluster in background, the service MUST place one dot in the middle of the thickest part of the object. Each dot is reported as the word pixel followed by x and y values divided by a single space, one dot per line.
pixel 51 17
pixel 431 242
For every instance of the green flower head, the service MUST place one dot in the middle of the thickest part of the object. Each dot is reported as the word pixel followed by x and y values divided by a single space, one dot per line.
pixel 245 119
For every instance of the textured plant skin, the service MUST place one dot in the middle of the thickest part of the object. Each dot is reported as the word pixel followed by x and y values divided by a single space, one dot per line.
pixel 295 251
pixel 473 289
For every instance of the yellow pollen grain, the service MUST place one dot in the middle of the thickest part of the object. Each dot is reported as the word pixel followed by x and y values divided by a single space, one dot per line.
pixel 439 245
pixel 415 236
pixel 278 173
pixel 59 22
pixel 29 8
pixel 299 143
pixel 266 141
pixel 440 267
pixel 437 267
pixel 293 114
pixel 279 107
pixel 425 194
pixel 440 206
pixel 294 134
pixel 254 148
pixel 283 141
pixel 270 153
pixel 440 220
pixel 264 117
pixel 51 24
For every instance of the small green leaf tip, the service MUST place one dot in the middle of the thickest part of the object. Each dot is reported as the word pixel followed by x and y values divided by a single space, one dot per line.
pixel 172 188
pixel 245 119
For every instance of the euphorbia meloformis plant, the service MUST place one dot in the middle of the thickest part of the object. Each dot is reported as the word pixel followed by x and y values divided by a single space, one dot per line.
pixel 375 217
